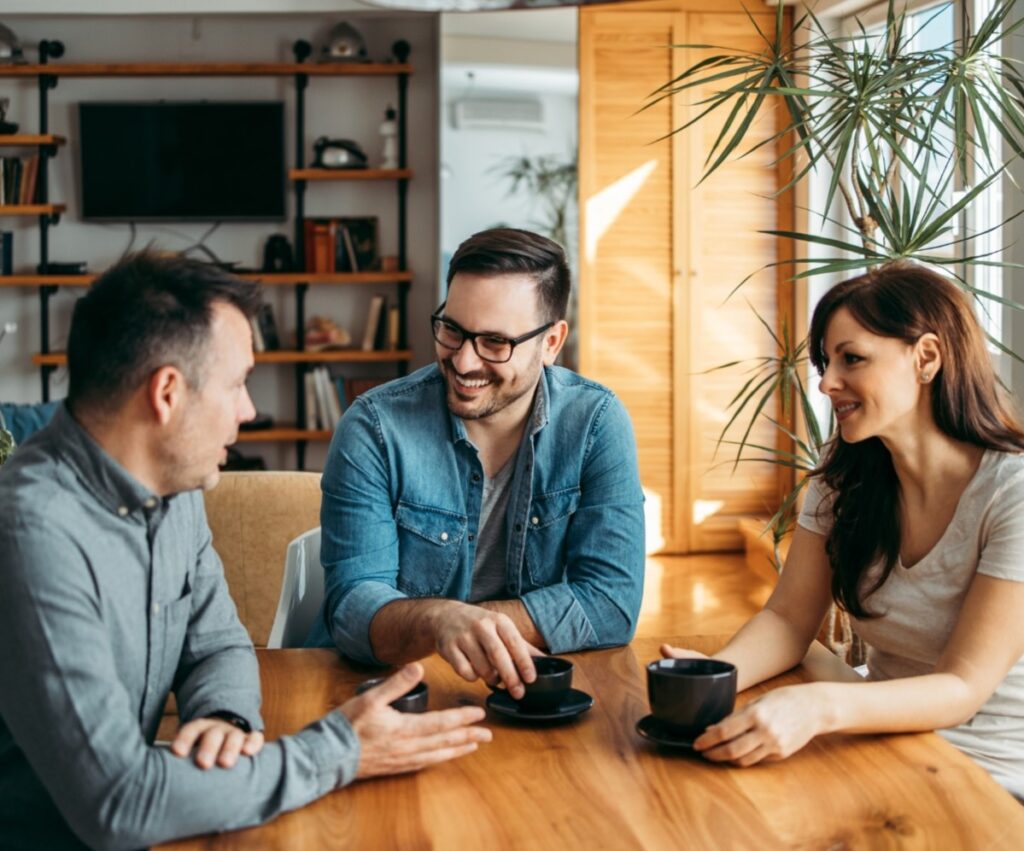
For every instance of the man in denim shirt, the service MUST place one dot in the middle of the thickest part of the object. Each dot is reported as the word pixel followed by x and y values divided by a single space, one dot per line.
pixel 487 506
pixel 113 595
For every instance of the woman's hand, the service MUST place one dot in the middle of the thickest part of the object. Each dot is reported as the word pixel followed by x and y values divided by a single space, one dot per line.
pixel 670 652
pixel 771 728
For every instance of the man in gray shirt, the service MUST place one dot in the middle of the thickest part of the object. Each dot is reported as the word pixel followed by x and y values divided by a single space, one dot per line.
pixel 113 595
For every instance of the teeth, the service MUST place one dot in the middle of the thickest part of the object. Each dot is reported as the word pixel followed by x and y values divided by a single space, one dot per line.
pixel 477 382
pixel 842 409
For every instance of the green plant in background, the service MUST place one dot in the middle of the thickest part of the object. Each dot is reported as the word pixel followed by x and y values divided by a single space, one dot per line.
pixel 551 182
pixel 898 130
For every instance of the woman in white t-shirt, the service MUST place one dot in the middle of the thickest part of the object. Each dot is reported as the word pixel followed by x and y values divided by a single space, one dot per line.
pixel 914 524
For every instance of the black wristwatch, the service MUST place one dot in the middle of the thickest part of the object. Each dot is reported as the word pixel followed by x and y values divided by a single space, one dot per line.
pixel 232 718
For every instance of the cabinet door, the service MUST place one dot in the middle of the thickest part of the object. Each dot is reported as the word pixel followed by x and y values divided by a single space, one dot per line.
pixel 659 257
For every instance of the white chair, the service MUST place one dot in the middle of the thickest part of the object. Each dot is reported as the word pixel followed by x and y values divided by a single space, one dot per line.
pixel 302 592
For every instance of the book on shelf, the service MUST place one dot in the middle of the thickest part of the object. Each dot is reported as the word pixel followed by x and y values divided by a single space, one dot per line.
pixel 330 405
pixel 320 244
pixel 373 317
pixel 309 396
pixel 268 328
pixel 352 259
pixel 28 183
pixel 355 386
pixel 393 330
pixel 258 344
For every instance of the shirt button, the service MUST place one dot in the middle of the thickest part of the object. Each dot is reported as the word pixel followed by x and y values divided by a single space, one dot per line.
pixel 535 520
pixel 156 608
pixel 122 510
pixel 150 503
pixel 444 536
pixel 476 477
pixel 472 537
pixel 519 527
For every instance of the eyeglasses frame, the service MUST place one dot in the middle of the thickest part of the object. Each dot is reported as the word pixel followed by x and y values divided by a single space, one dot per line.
pixel 472 335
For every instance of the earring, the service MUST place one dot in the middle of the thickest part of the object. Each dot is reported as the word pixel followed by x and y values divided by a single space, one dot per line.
pixel 926 377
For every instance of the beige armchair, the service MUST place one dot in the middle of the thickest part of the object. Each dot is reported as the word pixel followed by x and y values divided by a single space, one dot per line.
pixel 253 516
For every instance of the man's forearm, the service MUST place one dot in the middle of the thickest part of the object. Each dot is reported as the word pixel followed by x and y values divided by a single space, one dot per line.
pixel 403 630
pixel 515 610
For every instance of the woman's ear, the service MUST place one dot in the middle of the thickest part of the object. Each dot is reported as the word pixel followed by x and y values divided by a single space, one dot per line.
pixel 927 357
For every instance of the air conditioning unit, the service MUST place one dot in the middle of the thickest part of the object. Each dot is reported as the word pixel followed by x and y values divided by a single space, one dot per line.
pixel 498 114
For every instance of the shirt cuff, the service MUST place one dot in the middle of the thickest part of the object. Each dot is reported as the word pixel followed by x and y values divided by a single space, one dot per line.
pixel 334 748
pixel 560 619
pixel 350 621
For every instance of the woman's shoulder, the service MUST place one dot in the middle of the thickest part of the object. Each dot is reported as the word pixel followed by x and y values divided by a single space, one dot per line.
pixel 1001 474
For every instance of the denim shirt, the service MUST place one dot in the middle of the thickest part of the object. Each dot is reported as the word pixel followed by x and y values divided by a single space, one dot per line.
pixel 402 491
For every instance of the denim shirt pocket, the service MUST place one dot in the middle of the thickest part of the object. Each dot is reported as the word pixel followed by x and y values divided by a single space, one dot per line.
pixel 546 528
pixel 429 543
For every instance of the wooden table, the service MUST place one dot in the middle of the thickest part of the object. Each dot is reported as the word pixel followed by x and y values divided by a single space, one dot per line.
pixel 594 783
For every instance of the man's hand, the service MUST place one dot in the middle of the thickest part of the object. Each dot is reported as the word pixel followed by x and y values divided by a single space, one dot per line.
pixel 394 743
pixel 483 644
pixel 215 741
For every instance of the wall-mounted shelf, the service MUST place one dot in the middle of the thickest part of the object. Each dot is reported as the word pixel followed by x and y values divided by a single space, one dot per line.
pixel 282 434
pixel 32 209
pixel 54 359
pixel 28 140
pixel 350 174
pixel 270 279
pixel 209 69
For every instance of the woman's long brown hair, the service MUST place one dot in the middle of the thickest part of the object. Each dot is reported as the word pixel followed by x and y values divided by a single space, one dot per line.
pixel 905 301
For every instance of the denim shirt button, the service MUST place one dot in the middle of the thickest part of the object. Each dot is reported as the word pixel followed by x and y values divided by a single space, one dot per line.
pixel 476 477
pixel 472 537
pixel 519 527
pixel 535 520
pixel 444 536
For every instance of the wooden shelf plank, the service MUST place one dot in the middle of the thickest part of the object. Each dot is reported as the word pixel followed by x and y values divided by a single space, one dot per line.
pixel 349 173
pixel 265 278
pixel 334 356
pixel 31 209
pixel 280 356
pixel 27 140
pixel 209 69
pixel 283 433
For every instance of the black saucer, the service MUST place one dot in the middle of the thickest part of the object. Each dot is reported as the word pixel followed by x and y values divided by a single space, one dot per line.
pixel 574 703
pixel 664 734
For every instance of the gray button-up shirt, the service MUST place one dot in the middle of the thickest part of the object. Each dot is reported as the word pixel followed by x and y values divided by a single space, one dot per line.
pixel 110 598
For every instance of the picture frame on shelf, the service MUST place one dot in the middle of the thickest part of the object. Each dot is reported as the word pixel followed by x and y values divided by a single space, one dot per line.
pixel 362 241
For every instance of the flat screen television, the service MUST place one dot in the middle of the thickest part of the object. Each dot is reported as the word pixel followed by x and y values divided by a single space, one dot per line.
pixel 167 161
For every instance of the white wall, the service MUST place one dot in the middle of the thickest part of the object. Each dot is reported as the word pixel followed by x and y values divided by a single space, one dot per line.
pixel 339 107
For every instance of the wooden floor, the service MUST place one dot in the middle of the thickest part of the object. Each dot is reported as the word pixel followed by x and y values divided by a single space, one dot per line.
pixel 699 595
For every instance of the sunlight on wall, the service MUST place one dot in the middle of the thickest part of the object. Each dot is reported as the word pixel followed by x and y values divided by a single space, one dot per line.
pixel 705 508
pixel 654 537
pixel 654 575
pixel 604 207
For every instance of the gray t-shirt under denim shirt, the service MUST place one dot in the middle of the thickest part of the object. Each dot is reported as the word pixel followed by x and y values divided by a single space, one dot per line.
pixel 489 564
pixel 113 597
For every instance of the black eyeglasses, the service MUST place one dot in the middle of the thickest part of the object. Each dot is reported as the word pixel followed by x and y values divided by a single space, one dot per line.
pixel 492 348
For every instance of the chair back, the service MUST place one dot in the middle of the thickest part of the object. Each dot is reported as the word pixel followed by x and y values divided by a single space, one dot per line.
pixel 302 592
pixel 253 516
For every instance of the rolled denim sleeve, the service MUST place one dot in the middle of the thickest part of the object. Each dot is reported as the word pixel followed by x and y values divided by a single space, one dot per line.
pixel 359 543
pixel 598 602
pixel 217 670
pixel 65 705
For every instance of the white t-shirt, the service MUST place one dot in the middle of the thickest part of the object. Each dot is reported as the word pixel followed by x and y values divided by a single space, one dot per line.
pixel 919 606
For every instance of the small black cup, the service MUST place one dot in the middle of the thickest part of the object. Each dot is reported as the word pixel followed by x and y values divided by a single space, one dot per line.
pixel 414 700
pixel 554 679
pixel 691 694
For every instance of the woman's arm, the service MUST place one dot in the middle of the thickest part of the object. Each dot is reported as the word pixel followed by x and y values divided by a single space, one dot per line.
pixel 987 641
pixel 778 636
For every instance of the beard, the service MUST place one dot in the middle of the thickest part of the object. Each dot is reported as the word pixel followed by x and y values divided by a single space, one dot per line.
pixel 498 395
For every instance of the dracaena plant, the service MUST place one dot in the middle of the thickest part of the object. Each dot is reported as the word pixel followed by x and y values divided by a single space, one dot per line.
pixel 896 130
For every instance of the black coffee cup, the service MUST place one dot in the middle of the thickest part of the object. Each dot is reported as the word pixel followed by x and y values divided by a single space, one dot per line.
pixel 691 694
pixel 554 679
pixel 414 700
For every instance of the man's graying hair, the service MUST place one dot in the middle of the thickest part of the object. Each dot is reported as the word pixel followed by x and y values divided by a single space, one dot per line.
pixel 509 251
pixel 146 312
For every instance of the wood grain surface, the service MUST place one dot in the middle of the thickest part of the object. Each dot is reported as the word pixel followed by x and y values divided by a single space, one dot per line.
pixel 594 783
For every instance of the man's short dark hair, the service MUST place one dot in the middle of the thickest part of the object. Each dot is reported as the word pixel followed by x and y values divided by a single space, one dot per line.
pixel 509 251
pixel 146 312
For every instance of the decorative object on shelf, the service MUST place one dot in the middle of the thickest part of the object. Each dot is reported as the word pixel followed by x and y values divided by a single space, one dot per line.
pixel 344 44
pixel 338 153
pixel 268 328
pixel 389 133
pixel 66 268
pixel 362 234
pixel 389 263
pixel 277 254
pixel 400 50
pixel 10 52
pixel 324 333
pixel 6 127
